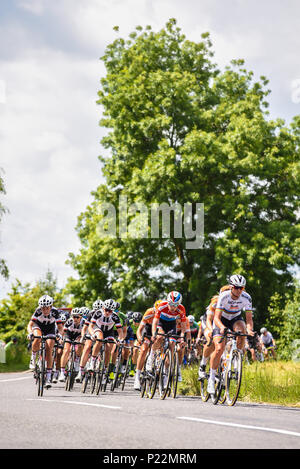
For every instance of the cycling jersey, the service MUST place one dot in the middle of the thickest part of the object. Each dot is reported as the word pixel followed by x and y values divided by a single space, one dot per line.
pixel 105 323
pixel 187 326
pixel 194 329
pixel 72 332
pixel 163 312
pixel 148 316
pixel 267 339
pixel 232 308
pixel 46 323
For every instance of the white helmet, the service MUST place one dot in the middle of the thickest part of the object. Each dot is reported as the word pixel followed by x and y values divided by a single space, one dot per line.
pixel 76 312
pixel 191 318
pixel 237 280
pixel 97 304
pixel 84 310
pixel 45 300
pixel 109 304
pixel 174 298
pixel 263 330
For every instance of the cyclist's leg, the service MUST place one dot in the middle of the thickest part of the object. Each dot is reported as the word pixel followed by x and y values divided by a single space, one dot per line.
pixel 64 359
pixel 239 325
pixel 35 347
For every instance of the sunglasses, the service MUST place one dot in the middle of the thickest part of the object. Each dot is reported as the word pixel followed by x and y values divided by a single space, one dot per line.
pixel 238 288
pixel 76 317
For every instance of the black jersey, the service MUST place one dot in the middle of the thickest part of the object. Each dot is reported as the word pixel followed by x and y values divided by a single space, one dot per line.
pixel 46 322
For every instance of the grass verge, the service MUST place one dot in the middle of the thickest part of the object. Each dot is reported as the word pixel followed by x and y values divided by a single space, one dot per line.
pixel 274 382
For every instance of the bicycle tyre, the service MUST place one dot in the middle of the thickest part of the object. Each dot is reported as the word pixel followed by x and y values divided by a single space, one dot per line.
pixel 163 391
pixel 233 377
pixel 174 375
pixel 126 373
pixel 42 373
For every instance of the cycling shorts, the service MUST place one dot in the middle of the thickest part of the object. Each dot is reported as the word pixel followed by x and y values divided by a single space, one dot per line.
pixel 229 323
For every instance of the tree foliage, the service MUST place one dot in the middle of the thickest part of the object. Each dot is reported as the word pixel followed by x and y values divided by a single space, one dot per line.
pixel 21 302
pixel 3 267
pixel 181 131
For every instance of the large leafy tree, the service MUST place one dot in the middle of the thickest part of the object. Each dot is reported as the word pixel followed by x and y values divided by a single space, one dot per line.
pixel 3 266
pixel 180 131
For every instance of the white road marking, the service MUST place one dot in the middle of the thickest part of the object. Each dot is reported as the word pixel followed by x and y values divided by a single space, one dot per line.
pixel 14 379
pixel 251 427
pixel 76 403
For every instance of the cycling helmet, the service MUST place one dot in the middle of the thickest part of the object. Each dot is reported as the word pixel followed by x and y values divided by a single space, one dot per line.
pixel 97 304
pixel 174 298
pixel 45 300
pixel 191 318
pixel 129 314
pixel 137 317
pixel 84 311
pixel 118 306
pixel 263 330
pixel 109 304
pixel 76 312
pixel 237 280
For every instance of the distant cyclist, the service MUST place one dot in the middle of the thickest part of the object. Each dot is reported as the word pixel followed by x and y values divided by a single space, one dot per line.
pixel 268 342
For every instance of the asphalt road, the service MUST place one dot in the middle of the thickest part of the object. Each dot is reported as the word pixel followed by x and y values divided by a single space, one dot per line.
pixel 122 420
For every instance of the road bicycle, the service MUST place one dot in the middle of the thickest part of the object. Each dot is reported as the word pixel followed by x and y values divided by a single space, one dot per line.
pixel 119 375
pixel 70 378
pixel 168 368
pixel 40 371
pixel 102 372
pixel 234 367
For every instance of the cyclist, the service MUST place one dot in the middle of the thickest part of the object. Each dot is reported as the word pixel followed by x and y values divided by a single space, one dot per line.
pixel 124 322
pixel 144 334
pixel 86 338
pixel 101 327
pixel 165 322
pixel 72 332
pixel 268 342
pixel 131 339
pixel 43 322
pixel 228 314
pixel 187 338
pixel 59 349
pixel 207 331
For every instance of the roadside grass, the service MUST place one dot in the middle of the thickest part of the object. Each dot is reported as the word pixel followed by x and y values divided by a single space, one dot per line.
pixel 274 382
pixel 20 364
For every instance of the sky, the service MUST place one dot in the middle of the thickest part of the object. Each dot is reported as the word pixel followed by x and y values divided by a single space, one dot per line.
pixel 50 71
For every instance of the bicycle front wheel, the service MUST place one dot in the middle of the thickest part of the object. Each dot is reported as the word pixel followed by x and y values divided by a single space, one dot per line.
pixel 165 375
pixel 233 377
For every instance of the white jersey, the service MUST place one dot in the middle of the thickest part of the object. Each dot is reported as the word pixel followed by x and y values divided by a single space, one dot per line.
pixel 232 308
pixel 266 338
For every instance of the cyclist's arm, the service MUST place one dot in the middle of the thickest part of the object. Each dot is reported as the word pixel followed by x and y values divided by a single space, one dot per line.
pixel 30 326
pixel 218 321
pixel 249 322
pixel 139 331
pixel 154 325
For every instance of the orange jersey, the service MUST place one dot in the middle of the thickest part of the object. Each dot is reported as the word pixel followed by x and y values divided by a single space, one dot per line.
pixel 164 312
pixel 187 325
pixel 148 316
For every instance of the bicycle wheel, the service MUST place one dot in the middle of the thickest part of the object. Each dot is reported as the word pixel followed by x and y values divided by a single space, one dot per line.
pixel 126 373
pixel 165 375
pixel 70 372
pixel 143 380
pixel 85 381
pixel 42 373
pixel 174 375
pixel 153 377
pixel 115 381
pixel 233 377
